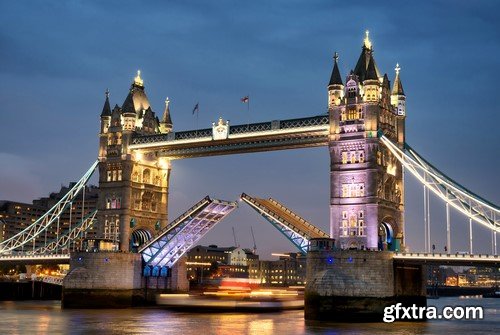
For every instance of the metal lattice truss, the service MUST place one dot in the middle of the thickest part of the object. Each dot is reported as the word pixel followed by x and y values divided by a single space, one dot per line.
pixel 254 137
pixel 64 241
pixel 181 235
pixel 454 194
pixel 36 228
pixel 295 228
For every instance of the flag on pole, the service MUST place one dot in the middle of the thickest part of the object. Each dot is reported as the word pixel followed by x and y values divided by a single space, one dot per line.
pixel 196 108
pixel 245 99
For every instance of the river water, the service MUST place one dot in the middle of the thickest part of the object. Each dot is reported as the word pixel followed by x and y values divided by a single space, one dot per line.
pixel 46 317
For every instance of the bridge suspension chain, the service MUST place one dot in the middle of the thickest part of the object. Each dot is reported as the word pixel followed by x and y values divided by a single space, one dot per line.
pixel 64 241
pixel 30 233
pixel 451 192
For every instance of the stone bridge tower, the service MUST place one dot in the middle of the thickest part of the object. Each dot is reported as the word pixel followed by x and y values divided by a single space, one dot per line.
pixel 367 187
pixel 133 187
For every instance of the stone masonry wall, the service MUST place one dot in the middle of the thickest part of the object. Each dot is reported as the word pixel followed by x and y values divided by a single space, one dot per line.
pixel 350 273
pixel 104 270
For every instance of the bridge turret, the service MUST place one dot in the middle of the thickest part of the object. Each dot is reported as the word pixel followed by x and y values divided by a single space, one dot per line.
pixel 398 97
pixel 371 84
pixel 133 185
pixel 335 86
pixel 366 202
pixel 166 120
pixel 106 114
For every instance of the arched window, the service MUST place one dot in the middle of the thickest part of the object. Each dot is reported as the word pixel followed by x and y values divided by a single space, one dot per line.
pixel 146 176
pixel 146 201
pixel 153 203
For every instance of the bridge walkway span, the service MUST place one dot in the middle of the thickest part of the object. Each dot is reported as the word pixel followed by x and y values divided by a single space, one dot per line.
pixel 182 233
pixel 294 227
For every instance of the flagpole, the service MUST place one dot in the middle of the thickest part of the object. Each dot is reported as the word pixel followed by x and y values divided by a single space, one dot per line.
pixel 248 112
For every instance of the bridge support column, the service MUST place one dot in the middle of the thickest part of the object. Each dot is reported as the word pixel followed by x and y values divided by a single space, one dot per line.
pixel 355 285
pixel 103 280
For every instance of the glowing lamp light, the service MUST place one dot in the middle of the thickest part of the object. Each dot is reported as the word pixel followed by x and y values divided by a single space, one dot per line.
pixel 164 163
pixel 138 156
pixel 329 260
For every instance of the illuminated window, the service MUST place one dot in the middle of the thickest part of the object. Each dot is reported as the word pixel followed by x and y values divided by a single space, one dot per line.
pixel 361 156
pixel 344 157
pixel 353 156
pixel 109 176
pixel 345 190
pixel 361 227
pixel 353 190
pixel 146 176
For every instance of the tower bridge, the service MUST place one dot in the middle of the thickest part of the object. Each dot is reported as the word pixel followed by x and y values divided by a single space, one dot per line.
pixel 364 131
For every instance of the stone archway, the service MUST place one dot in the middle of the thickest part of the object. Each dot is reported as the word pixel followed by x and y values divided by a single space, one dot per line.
pixel 385 234
pixel 138 238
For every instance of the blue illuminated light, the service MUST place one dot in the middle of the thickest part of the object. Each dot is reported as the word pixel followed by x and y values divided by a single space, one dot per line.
pixel 349 259
pixel 330 260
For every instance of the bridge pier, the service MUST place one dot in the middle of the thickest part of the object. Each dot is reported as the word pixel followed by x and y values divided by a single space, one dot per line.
pixel 103 280
pixel 356 285
pixel 108 279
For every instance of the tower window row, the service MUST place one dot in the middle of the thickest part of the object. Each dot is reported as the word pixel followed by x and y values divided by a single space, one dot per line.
pixel 353 190
pixel 114 175
pixel 351 114
pixel 352 225
pixel 353 156
pixel 113 203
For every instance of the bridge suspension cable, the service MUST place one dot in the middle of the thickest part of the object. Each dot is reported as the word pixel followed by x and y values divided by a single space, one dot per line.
pixel 64 241
pixel 30 233
pixel 451 192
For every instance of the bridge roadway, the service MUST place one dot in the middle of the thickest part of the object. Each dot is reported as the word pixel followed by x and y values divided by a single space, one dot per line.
pixel 447 259
pixel 36 259
pixel 400 258
pixel 254 137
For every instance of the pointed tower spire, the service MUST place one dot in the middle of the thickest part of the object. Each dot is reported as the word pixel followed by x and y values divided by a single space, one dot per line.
pixel 166 120
pixel 366 42
pixel 335 86
pixel 138 80
pixel 364 59
pixel 371 71
pixel 336 78
pixel 398 98
pixel 397 89
pixel 106 109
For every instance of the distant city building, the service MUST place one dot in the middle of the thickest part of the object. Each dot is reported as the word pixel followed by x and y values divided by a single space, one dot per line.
pixel 16 216
pixel 289 269
pixel 473 276
pixel 214 262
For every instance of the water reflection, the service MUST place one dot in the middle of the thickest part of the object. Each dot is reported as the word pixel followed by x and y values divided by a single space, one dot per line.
pixel 47 317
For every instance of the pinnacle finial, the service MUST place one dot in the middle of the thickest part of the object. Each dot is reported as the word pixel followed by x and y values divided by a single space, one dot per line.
pixel 138 80
pixel 367 42
pixel 336 56
pixel 397 68
pixel 167 102
pixel 107 93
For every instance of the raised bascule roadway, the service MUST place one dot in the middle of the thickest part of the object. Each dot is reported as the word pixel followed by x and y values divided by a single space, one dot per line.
pixel 364 131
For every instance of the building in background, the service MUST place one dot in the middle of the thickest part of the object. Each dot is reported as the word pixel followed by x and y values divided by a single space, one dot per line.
pixel 288 270
pixel 204 262
pixel 16 216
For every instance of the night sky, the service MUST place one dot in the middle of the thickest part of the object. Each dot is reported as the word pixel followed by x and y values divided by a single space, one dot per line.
pixel 58 57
